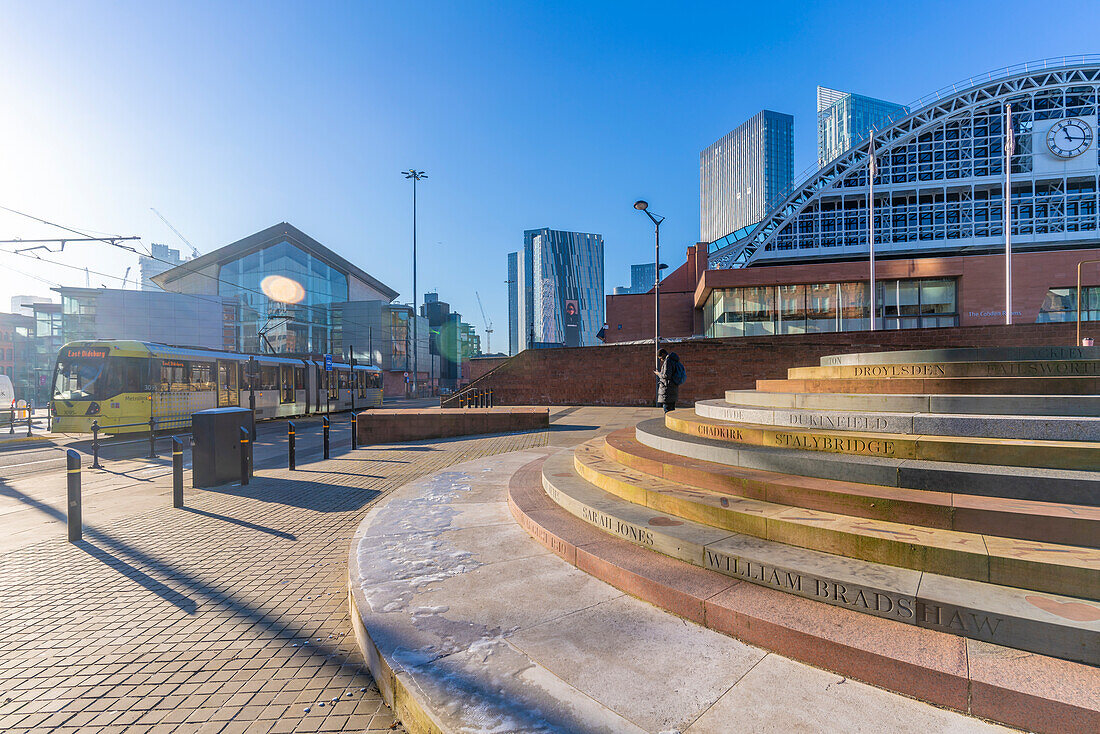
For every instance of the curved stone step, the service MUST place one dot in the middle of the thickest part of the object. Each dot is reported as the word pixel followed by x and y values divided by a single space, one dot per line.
pixel 1076 455
pixel 1056 569
pixel 1043 428
pixel 1027 690
pixel 1012 405
pixel 941 385
pixel 1045 485
pixel 1042 521
pixel 894 370
pixel 965 354
pixel 997 614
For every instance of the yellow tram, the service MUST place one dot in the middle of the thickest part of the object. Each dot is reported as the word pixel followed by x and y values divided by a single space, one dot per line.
pixel 122 384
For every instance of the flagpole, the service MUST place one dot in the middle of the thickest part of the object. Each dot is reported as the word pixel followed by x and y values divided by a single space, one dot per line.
pixel 1010 144
pixel 872 166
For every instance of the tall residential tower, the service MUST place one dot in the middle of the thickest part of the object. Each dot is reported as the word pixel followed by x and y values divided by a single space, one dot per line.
pixel 559 294
pixel 844 119
pixel 742 176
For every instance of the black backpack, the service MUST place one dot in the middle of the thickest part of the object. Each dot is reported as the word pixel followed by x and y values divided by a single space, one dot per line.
pixel 678 374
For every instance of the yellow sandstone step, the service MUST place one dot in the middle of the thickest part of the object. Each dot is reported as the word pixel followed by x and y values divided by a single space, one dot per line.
pixel 1037 368
pixel 1057 569
pixel 1077 455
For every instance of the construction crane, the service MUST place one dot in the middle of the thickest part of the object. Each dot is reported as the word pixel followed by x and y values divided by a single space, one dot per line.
pixel 194 250
pixel 488 325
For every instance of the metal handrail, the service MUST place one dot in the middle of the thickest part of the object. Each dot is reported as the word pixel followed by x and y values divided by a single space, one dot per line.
pixel 1083 262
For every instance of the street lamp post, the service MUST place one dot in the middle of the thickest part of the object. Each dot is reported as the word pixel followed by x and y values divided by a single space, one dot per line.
pixel 656 219
pixel 415 175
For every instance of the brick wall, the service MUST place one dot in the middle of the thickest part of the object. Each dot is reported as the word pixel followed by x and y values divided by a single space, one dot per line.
pixel 622 374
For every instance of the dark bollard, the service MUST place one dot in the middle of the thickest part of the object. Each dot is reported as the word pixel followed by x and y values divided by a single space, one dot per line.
pixel 177 472
pixel 49 417
pixel 245 439
pixel 152 438
pixel 354 431
pixel 292 460
pixel 30 421
pixel 11 418
pixel 324 429
pixel 490 397
pixel 95 445
pixel 72 463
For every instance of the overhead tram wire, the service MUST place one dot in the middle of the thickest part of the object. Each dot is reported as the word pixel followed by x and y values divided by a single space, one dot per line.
pixel 157 259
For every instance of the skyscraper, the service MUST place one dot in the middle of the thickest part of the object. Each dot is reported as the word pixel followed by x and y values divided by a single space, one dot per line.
pixel 559 289
pixel 844 119
pixel 513 302
pixel 642 279
pixel 743 175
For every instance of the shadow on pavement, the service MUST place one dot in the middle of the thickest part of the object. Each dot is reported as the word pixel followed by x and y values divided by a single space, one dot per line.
pixel 163 591
pixel 302 493
pixel 242 523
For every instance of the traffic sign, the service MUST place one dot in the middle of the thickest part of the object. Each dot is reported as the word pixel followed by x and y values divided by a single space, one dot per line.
pixel 328 363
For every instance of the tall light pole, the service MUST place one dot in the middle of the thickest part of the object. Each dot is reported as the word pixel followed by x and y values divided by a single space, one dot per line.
pixel 643 206
pixel 415 175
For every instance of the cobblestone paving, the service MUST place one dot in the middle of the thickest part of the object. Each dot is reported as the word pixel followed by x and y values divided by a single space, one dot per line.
pixel 230 615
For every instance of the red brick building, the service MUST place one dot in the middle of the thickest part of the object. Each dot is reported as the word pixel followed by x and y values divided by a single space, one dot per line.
pixel 1044 291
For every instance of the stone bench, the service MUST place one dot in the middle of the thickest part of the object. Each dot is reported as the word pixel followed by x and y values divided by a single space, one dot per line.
pixel 396 426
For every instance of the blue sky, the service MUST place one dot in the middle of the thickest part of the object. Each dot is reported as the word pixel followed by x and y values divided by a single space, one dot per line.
pixel 230 117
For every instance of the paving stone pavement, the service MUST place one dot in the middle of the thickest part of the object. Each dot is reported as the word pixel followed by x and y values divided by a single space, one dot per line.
pixel 230 615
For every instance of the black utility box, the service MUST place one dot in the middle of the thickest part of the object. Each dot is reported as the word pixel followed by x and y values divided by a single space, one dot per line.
pixel 216 456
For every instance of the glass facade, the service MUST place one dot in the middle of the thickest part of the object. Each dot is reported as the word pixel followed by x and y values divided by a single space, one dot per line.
pixel 845 119
pixel 513 303
pixel 1060 305
pixel 287 294
pixel 561 295
pixel 940 182
pixel 830 307
pixel 746 173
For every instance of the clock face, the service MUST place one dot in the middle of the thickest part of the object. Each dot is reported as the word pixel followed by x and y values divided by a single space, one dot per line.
pixel 1069 138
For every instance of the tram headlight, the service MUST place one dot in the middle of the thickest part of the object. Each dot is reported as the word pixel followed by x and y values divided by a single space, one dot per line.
pixel 93 409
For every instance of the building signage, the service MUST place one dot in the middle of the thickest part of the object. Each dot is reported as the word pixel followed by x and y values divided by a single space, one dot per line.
pixel 85 353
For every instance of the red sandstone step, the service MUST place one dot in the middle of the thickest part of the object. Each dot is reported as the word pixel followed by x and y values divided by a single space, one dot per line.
pixel 939 386
pixel 393 426
pixel 1041 521
pixel 1021 689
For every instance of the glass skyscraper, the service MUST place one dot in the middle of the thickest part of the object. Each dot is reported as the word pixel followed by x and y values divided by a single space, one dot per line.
pixel 559 298
pixel 844 119
pixel 513 302
pixel 642 278
pixel 743 175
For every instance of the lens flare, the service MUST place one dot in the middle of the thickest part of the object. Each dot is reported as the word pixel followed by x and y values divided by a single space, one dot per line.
pixel 282 289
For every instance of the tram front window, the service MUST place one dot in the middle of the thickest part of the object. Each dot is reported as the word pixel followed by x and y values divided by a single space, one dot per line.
pixel 80 379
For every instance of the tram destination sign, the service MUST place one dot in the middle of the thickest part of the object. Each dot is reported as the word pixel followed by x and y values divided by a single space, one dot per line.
pixel 85 353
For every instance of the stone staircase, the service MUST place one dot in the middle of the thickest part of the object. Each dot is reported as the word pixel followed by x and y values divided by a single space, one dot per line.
pixel 951 491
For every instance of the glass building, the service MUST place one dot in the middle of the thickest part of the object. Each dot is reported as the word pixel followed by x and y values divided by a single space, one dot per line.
pixel 288 293
pixel 940 182
pixel 285 296
pixel 642 279
pixel 745 173
pixel 939 207
pixel 560 289
pixel 845 119
pixel 513 303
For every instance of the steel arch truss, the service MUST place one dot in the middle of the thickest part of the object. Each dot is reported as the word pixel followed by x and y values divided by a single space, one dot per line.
pixel 743 251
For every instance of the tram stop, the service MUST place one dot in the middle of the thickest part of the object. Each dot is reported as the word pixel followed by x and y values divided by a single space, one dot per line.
pixel 216 454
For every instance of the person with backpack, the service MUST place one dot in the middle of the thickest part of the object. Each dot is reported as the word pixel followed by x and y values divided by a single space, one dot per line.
pixel 670 375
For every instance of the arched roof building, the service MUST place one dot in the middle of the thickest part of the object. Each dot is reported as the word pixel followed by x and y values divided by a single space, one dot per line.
pixel 940 181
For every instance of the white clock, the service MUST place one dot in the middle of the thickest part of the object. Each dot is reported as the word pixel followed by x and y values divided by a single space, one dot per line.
pixel 1069 138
